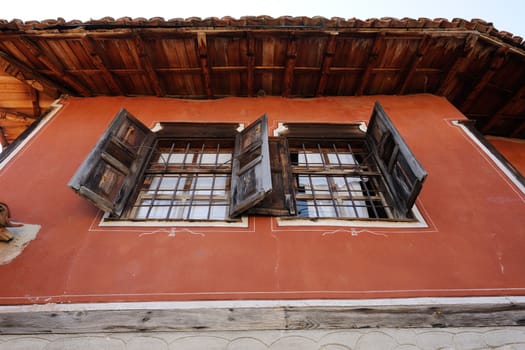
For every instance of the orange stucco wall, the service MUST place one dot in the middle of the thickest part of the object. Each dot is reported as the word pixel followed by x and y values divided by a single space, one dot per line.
pixel 473 244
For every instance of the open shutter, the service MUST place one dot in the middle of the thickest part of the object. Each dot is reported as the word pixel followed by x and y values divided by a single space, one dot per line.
pixel 281 201
pixel 251 173
pixel 401 170
pixel 108 175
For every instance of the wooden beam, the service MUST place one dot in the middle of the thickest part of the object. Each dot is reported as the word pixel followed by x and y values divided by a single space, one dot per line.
pixel 250 52
pixel 498 59
pixel 328 58
pixel 519 129
pixel 291 58
pixel 17 115
pixel 55 67
pixel 494 118
pixel 28 76
pixel 3 138
pixel 459 65
pixel 147 66
pixel 96 58
pixel 421 52
pixel 372 58
pixel 202 46
pixel 232 315
pixel 35 101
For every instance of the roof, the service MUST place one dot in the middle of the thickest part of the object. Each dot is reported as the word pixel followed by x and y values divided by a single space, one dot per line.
pixel 478 68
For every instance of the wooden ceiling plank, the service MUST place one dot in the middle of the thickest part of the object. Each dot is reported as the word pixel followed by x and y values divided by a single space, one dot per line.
pixel 500 112
pixel 459 65
pixel 327 64
pixel 519 130
pixel 202 46
pixel 498 59
pixel 147 66
pixel 55 67
pixel 97 60
pixel 291 58
pixel 421 52
pixel 30 77
pixel 250 52
pixel 372 58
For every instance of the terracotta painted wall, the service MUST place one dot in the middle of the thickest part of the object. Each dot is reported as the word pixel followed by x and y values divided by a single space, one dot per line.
pixel 473 245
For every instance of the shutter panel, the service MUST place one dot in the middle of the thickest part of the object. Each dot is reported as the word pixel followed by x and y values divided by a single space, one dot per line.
pixel 403 173
pixel 108 175
pixel 281 201
pixel 251 173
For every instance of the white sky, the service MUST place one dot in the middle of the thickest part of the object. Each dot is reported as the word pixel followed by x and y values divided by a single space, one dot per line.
pixel 505 15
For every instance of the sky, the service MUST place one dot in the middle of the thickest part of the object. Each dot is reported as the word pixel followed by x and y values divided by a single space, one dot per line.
pixel 505 15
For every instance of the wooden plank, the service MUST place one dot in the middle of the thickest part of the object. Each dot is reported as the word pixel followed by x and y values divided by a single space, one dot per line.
pixel 250 52
pixel 328 58
pixel 519 129
pixel 35 101
pixel 421 52
pixel 97 60
pixel 516 97
pixel 147 66
pixel 372 59
pixel 55 67
pixel 205 70
pixel 459 65
pixel 291 57
pixel 498 59
pixel 262 315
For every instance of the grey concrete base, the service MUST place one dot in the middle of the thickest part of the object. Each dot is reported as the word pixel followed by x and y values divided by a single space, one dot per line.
pixel 501 338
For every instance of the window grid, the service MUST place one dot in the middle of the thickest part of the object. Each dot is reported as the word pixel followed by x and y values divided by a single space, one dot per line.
pixel 338 180
pixel 185 181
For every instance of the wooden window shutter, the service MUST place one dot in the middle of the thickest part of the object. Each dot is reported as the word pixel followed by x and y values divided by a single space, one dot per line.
pixel 281 201
pixel 108 175
pixel 251 171
pixel 403 173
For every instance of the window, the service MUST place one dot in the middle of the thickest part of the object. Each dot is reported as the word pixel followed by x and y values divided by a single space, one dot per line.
pixel 212 172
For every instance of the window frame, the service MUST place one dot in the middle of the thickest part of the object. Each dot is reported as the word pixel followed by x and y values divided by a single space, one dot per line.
pixel 262 176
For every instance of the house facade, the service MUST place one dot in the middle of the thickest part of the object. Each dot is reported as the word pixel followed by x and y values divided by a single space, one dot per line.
pixel 330 212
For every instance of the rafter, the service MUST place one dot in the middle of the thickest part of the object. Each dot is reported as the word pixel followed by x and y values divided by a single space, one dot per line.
pixel 498 59
pixel 147 66
pixel 327 64
pixel 512 101
pixel 519 130
pixel 291 58
pixel 372 58
pixel 250 52
pixel 459 65
pixel 55 67
pixel 421 52
pixel 96 58
pixel 35 101
pixel 16 114
pixel 205 70
pixel 26 75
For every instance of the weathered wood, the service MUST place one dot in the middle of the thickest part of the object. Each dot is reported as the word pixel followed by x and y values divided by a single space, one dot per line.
pixel 516 97
pixel 291 57
pixel 202 46
pixel 498 59
pixel 96 57
pixel 29 76
pixel 55 67
pixel 260 315
pixel 16 114
pixel 421 52
pixel 459 65
pixel 327 64
pixel 35 101
pixel 147 66
pixel 518 130
pixel 371 61
pixel 251 63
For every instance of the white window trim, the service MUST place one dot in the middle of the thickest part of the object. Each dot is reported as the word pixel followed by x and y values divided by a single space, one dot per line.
pixel 418 222
pixel 491 155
